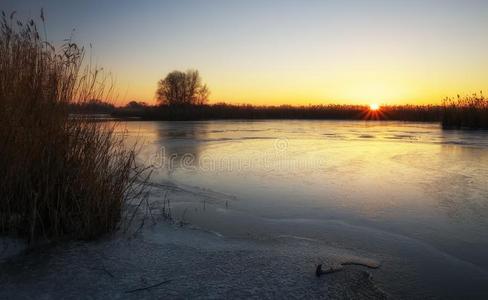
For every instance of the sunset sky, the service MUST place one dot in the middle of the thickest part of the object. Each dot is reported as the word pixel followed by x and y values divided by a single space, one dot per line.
pixel 283 51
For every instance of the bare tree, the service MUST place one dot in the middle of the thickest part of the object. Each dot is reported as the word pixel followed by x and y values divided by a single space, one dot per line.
pixel 202 95
pixel 182 88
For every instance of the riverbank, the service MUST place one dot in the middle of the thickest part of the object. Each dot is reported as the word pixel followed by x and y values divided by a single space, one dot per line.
pixel 168 261
pixel 223 111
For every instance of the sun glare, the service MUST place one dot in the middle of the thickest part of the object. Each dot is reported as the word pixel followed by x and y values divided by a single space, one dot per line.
pixel 374 106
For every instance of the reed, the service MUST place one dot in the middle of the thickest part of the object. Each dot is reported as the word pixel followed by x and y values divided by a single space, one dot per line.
pixel 420 113
pixel 60 178
pixel 469 112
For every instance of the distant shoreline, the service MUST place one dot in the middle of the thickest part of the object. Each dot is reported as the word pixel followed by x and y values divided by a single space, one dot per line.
pixel 464 114
pixel 248 112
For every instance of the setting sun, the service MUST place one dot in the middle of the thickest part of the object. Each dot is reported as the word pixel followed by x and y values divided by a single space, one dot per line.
pixel 374 106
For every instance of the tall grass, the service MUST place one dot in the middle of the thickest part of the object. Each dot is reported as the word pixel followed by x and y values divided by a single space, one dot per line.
pixel 60 178
pixel 421 113
pixel 466 112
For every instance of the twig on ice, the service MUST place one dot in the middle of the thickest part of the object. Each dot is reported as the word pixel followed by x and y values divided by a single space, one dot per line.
pixel 148 287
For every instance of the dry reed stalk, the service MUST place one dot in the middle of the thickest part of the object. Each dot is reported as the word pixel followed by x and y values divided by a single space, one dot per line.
pixel 59 177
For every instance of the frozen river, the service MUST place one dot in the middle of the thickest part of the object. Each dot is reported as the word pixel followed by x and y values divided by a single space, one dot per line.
pixel 410 195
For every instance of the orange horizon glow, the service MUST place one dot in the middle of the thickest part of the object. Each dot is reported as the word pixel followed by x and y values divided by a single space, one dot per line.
pixel 256 97
pixel 267 88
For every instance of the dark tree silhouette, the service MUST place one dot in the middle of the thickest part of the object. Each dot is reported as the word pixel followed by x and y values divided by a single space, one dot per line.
pixel 136 105
pixel 182 88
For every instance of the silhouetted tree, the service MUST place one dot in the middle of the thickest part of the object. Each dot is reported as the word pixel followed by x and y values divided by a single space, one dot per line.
pixel 136 105
pixel 182 88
